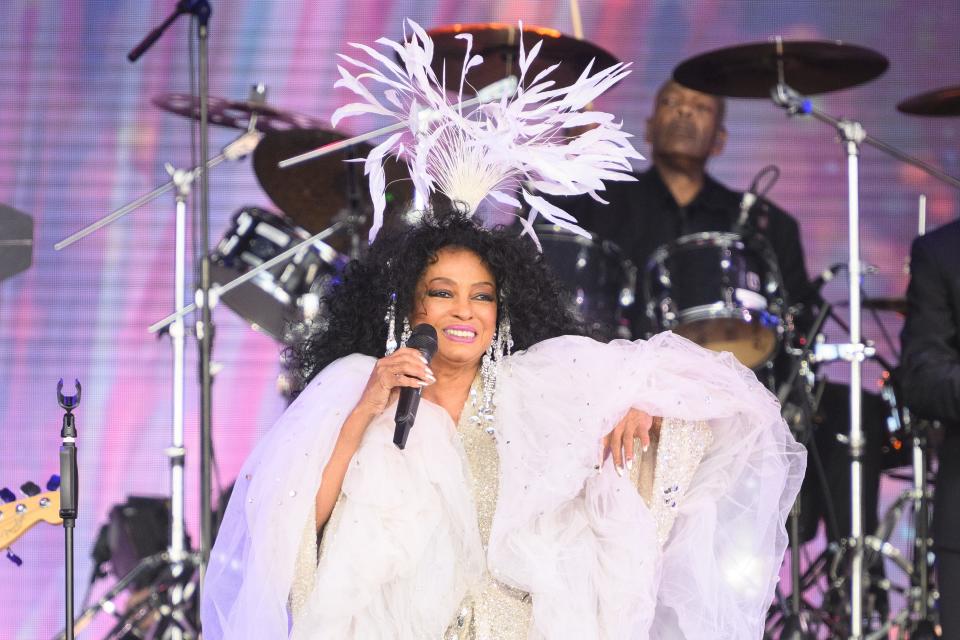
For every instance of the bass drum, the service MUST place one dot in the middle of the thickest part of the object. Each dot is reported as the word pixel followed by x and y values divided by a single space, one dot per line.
pixel 719 292
pixel 285 295
pixel 600 280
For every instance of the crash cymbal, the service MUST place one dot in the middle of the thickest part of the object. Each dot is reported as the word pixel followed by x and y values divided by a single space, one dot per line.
pixel 941 102
pixel 312 193
pixel 499 44
pixel 897 305
pixel 235 113
pixel 809 67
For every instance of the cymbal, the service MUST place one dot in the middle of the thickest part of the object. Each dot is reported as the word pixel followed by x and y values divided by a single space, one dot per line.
pixel 499 44
pixel 809 67
pixel 235 113
pixel 313 193
pixel 940 102
pixel 897 305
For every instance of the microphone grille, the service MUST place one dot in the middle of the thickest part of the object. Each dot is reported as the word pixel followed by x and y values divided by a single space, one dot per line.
pixel 424 338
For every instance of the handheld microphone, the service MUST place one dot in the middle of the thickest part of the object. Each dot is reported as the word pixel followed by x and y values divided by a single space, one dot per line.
pixel 423 339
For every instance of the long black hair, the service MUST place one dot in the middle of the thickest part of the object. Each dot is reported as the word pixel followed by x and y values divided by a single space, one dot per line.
pixel 356 308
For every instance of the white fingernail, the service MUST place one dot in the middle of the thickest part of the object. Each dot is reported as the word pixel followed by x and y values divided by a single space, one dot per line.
pixel 645 447
pixel 618 469
pixel 629 464
pixel 425 361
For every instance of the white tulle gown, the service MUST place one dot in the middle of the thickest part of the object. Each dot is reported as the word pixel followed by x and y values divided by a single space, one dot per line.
pixel 470 535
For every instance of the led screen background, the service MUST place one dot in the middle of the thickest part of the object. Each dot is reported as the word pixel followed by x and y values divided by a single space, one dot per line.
pixel 79 138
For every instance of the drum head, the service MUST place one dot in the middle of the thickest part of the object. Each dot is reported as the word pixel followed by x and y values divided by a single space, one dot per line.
pixel 751 343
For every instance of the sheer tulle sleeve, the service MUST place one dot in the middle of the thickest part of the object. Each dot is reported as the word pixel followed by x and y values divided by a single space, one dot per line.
pixel 251 569
pixel 716 573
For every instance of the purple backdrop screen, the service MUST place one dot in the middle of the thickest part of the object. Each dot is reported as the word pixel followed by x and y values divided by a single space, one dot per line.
pixel 79 138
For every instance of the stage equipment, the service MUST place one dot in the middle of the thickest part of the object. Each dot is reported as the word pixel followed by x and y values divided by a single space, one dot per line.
pixel 316 195
pixel 498 44
pixel 719 290
pixel 237 114
pixel 69 498
pixel 940 102
pixel 16 242
pixel 600 279
pixel 782 70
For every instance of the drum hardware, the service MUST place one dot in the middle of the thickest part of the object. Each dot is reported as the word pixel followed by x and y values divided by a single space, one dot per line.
pixel 778 69
pixel 219 291
pixel 497 44
pixel 281 296
pixel 719 291
pixel 253 113
pixel 181 182
pixel 940 102
pixel 316 194
pixel 601 280
pixel 797 616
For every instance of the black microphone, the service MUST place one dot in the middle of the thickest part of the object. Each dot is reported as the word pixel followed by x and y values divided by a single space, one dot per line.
pixel 423 339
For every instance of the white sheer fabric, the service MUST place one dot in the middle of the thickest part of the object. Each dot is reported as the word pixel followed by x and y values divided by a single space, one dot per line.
pixel 584 545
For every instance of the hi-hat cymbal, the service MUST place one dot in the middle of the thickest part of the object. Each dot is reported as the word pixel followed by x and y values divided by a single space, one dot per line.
pixel 809 67
pixel 941 102
pixel 499 45
pixel 313 193
pixel 236 113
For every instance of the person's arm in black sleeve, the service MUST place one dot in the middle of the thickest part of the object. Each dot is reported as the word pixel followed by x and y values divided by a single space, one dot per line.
pixel 931 361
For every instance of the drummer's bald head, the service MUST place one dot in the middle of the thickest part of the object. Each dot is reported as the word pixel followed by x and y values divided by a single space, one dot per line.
pixel 720 101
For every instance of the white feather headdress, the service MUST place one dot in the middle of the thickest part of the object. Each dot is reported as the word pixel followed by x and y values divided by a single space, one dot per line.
pixel 494 149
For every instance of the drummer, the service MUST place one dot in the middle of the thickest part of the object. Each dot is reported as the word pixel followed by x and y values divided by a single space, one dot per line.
pixel 677 196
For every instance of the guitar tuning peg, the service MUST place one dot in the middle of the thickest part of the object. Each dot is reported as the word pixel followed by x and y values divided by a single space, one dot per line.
pixel 6 495
pixel 53 483
pixel 14 558
pixel 30 489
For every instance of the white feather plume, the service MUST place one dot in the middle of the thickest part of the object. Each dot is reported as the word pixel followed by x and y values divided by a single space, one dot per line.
pixel 493 149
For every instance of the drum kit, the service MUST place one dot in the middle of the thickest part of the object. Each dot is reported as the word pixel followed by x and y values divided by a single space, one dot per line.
pixel 720 289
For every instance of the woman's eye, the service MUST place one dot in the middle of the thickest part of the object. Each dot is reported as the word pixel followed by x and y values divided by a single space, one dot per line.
pixel 484 297
pixel 439 293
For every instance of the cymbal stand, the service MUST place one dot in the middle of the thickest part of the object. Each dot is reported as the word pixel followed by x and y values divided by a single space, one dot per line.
pixel 852 135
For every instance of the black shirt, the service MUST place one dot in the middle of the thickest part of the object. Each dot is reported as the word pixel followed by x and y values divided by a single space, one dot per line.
pixel 643 215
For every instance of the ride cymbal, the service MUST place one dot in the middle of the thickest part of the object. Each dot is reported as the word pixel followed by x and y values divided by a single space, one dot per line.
pixel 809 67
pixel 499 45
pixel 940 102
pixel 236 113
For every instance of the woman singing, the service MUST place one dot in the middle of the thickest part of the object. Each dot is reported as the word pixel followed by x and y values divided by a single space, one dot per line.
pixel 552 486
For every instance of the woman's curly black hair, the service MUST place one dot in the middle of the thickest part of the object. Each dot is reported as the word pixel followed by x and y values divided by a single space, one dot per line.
pixel 356 307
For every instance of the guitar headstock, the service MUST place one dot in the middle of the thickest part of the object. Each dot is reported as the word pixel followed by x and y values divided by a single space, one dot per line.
pixel 19 516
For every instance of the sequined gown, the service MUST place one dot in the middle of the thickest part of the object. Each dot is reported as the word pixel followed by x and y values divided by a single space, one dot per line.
pixel 465 534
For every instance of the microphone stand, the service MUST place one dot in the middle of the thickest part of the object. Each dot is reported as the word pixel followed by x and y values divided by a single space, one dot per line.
pixel 200 10
pixel 68 494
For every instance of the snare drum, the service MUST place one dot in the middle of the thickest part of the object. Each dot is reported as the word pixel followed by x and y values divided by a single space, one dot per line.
pixel 715 290
pixel 286 294
pixel 602 282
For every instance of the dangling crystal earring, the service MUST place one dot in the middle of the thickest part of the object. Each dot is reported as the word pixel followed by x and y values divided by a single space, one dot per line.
pixel 500 347
pixel 390 319
pixel 406 333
